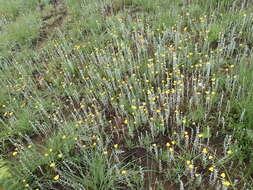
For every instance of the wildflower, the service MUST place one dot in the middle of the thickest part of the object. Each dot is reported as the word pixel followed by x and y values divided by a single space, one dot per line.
pixel 29 146
pixel 64 137
pixel 52 165
pixel 116 146
pixel 211 169
pixel 191 166
pixel 229 152
pixel 50 150
pixel 223 175
pixel 171 149
pixel 173 142
pixel 105 153
pixel 77 46
pixel 46 154
pixel 154 145
pixel 188 162
pixel 210 157
pixel 27 185
pixel 59 155
pixel 123 172
pixel 134 107
pixel 14 153
pixel 168 144
pixel 56 177
pixel 226 183
pixel 125 121
pixel 204 151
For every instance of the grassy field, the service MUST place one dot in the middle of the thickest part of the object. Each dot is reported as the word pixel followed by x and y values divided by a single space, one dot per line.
pixel 126 94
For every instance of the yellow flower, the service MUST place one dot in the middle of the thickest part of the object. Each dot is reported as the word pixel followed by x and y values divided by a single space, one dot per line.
pixel 56 177
pixel 173 142
pixel 77 46
pixel 59 155
pixel 171 149
pixel 14 153
pixel 116 146
pixel 223 175
pixel 29 146
pixel 205 151
pixel 52 165
pixel 123 172
pixel 125 121
pixel 210 157
pixel 229 152
pixel 191 166
pixel 27 185
pixel 154 145
pixel 105 153
pixel 168 144
pixel 188 162
pixel 226 183
pixel 46 154
pixel 211 169
pixel 64 137
pixel 134 107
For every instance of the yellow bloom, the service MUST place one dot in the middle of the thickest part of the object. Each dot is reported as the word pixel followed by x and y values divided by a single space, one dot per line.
pixel 64 137
pixel 14 153
pixel 210 157
pixel 105 153
pixel 168 144
pixel 116 146
pixel 77 46
pixel 211 169
pixel 226 183
pixel 123 172
pixel 27 185
pixel 191 166
pixel 171 149
pixel 223 175
pixel 52 165
pixel 56 177
pixel 29 146
pixel 229 152
pixel 134 107
pixel 205 151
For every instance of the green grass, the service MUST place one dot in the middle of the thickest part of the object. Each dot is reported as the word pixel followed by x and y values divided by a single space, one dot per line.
pixel 123 94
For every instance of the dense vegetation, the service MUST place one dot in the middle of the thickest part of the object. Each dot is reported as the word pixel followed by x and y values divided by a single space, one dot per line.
pixel 126 94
